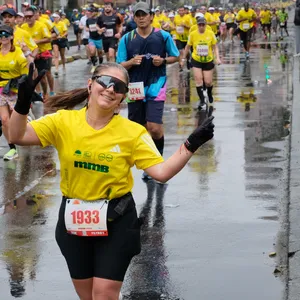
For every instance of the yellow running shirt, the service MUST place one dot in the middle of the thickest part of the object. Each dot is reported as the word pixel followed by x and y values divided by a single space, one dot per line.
pixel 182 32
pixel 265 17
pixel 229 18
pixel 202 45
pixel 61 27
pixel 38 32
pixel 66 21
pixel 96 164
pixel 250 15
pixel 21 36
pixel 12 65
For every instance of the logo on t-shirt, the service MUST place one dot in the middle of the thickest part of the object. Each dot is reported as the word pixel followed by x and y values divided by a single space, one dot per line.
pixel 91 166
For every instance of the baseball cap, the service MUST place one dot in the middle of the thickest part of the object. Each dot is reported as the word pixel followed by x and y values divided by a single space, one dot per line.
pixel 142 6
pixel 92 9
pixel 20 14
pixel 56 15
pixel 171 15
pixel 199 15
pixel 7 29
pixel 9 11
pixel 75 9
pixel 25 4
pixel 201 20
pixel 157 8
pixel 211 8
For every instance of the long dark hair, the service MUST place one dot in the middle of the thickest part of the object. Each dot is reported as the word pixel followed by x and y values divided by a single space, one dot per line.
pixel 69 99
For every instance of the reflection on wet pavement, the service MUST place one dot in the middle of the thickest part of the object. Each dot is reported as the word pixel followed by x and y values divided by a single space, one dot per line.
pixel 204 231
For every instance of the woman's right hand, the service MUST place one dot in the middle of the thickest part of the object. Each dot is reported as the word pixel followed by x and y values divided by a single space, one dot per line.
pixel 26 87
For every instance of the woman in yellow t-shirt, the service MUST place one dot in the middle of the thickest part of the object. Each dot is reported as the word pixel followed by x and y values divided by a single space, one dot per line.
pixel 60 43
pixel 205 50
pixel 13 64
pixel 229 19
pixel 98 230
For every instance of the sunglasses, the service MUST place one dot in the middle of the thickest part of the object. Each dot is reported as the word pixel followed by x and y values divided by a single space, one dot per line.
pixel 106 81
pixel 29 17
pixel 4 34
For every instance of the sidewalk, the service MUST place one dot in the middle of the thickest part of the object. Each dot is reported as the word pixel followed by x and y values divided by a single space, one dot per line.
pixel 294 207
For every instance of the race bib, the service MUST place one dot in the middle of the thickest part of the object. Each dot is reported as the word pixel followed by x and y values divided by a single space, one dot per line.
pixel 229 20
pixel 282 24
pixel 246 25
pixel 86 218
pixel 180 29
pixel 76 22
pixel 223 24
pixel 202 50
pixel 136 91
pixel 93 27
pixel 109 33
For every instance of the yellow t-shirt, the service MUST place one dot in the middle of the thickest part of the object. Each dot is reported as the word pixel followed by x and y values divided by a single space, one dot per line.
pixel 265 17
pixel 61 27
pixel 156 24
pixel 46 22
pixel 182 32
pixel 195 27
pixel 229 18
pixel 38 32
pixel 45 16
pixel 96 164
pixel 202 45
pixel 210 19
pixel 250 15
pixel 21 36
pixel 12 65
pixel 66 21
pixel 194 20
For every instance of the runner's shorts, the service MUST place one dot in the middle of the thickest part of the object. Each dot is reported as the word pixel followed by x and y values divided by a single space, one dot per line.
pixel 284 25
pixel 61 43
pixel 180 45
pixel 230 25
pixel 43 64
pixel 105 257
pixel 110 43
pixel 204 66
pixel 8 100
pixel 146 111
pixel 96 43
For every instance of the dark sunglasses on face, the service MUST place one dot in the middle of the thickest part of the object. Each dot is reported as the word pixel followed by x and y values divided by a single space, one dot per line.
pixel 4 34
pixel 29 17
pixel 106 82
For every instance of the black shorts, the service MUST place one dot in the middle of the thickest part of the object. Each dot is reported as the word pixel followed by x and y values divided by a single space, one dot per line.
pixel 110 43
pixel 103 257
pixel 61 43
pixel 266 26
pixel 180 45
pixel 43 64
pixel 230 25
pixel 142 112
pixel 284 25
pixel 204 66
pixel 245 35
pixel 85 42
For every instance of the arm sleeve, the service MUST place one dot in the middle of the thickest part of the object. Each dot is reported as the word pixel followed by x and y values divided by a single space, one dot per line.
pixel 122 51
pixel 46 128
pixel 145 153
pixel 170 45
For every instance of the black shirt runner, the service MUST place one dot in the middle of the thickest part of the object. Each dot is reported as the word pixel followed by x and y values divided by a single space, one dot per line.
pixel 110 23
pixel 91 24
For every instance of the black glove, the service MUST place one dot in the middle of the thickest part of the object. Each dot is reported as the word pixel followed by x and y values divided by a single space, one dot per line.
pixel 201 135
pixel 26 87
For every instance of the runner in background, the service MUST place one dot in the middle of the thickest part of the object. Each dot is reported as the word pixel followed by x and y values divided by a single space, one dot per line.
pixel 85 36
pixel 75 19
pixel 283 18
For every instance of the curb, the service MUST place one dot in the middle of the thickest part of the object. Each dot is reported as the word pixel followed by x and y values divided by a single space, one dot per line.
pixel 293 285
pixel 72 58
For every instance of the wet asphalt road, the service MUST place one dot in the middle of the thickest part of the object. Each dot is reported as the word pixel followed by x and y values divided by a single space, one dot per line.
pixel 209 231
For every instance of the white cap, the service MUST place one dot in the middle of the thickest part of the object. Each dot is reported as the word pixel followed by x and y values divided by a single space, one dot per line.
pixel 20 14
pixel 25 4
pixel 56 15
pixel 220 8
pixel 171 15
pixel 199 15
pixel 211 8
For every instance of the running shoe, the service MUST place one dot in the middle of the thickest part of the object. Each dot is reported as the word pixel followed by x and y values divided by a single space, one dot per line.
pixel 93 69
pixel 56 74
pixel 10 155
pixel 51 94
pixel 247 55
pixel 211 99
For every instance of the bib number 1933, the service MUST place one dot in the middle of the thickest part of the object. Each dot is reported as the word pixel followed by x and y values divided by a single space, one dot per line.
pixel 86 218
